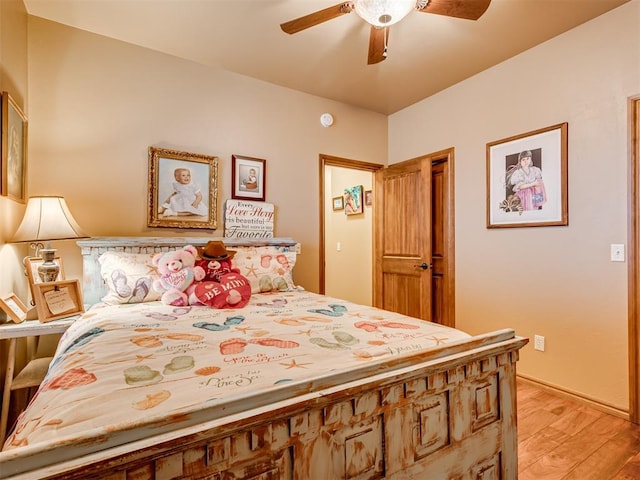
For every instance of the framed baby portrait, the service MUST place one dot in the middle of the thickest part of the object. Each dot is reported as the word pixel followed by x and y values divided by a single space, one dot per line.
pixel 248 176
pixel 183 189
pixel 527 179
pixel 14 150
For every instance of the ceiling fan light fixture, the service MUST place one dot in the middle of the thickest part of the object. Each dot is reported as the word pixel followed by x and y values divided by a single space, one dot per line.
pixel 382 13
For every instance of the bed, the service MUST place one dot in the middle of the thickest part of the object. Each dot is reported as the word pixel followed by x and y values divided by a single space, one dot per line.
pixel 294 385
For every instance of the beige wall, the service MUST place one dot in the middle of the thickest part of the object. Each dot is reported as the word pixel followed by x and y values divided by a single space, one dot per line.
pixel 553 281
pixel 97 104
pixel 349 270
pixel 13 79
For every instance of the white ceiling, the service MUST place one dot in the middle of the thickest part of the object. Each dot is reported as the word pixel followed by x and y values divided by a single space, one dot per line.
pixel 427 52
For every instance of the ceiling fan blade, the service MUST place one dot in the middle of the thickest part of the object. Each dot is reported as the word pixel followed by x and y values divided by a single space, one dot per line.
pixel 469 9
pixel 377 44
pixel 316 18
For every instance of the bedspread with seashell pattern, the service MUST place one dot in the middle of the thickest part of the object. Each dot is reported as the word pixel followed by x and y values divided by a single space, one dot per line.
pixel 125 366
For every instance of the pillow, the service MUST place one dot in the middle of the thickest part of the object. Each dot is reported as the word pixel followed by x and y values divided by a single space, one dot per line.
pixel 232 291
pixel 268 268
pixel 129 277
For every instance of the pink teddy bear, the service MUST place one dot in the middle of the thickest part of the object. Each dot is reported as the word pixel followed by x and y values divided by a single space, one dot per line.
pixel 179 275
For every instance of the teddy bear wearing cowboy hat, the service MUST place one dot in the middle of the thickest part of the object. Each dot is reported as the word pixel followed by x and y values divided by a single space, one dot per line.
pixel 215 260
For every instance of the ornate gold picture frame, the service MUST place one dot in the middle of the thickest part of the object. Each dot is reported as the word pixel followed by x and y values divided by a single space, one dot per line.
pixel 183 189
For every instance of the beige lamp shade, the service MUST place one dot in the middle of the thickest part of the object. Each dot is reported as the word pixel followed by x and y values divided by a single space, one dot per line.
pixel 47 218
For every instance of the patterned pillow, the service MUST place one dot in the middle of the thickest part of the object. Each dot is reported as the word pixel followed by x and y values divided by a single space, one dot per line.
pixel 268 268
pixel 129 277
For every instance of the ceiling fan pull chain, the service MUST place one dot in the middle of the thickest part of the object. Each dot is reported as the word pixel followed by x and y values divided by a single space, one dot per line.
pixel 386 37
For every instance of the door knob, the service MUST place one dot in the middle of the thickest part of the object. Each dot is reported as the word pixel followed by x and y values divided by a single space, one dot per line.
pixel 423 266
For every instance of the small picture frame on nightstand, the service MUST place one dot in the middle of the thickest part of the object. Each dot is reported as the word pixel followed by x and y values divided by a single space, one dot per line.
pixel 58 299
pixel 31 265
pixel 13 307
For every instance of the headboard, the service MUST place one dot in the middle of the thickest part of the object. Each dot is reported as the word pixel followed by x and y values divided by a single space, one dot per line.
pixel 94 287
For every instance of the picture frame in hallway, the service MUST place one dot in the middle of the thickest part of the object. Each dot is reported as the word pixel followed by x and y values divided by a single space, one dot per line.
pixel 14 150
pixel 248 175
pixel 183 189
pixel 368 198
pixel 352 198
pixel 338 204
pixel 527 180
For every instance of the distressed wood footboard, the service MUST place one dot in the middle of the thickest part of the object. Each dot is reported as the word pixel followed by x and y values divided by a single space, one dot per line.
pixel 449 413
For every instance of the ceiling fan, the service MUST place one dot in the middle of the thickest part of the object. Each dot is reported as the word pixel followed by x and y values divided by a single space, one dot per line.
pixel 381 14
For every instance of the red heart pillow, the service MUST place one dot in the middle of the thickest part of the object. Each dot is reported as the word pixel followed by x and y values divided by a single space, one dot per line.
pixel 233 291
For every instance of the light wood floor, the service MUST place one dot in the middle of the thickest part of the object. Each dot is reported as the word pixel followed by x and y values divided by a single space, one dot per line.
pixel 562 439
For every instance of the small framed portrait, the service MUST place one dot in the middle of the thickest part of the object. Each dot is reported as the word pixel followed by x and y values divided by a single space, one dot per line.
pixel 31 265
pixel 368 198
pixel 353 200
pixel 248 177
pixel 183 189
pixel 527 179
pixel 13 307
pixel 14 150
pixel 338 203
pixel 58 300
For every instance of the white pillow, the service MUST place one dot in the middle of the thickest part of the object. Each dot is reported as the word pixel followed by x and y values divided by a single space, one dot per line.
pixel 129 277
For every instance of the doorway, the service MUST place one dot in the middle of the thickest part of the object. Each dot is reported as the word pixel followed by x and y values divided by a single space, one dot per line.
pixel 442 232
pixel 345 240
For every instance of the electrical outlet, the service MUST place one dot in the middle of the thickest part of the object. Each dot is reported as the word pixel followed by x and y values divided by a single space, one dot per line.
pixel 538 342
pixel 617 252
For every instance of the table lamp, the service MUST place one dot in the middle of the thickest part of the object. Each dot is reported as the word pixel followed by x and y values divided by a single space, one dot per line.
pixel 47 218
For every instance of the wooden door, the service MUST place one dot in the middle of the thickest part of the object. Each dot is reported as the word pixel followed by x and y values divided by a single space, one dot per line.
pixel 402 270
pixel 442 239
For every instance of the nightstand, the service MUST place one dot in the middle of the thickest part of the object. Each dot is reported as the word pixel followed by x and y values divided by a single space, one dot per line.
pixel 33 373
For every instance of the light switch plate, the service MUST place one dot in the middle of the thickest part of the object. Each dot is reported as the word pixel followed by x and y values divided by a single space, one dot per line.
pixel 617 252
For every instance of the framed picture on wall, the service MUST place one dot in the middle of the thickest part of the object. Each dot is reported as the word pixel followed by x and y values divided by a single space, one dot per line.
pixel 527 179
pixel 14 150
pixel 183 189
pixel 338 203
pixel 248 176
pixel 353 200
pixel 368 198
